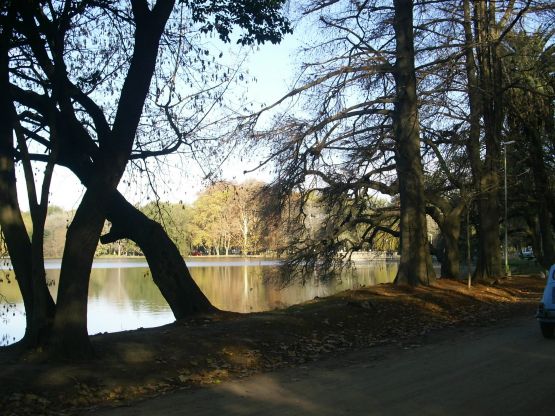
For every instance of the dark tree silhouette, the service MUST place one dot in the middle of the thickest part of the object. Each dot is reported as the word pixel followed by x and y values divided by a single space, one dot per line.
pixel 80 77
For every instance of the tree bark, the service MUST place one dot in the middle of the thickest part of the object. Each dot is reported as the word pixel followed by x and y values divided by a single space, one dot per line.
pixel 450 266
pixel 26 259
pixel 415 266
pixel 489 253
pixel 70 337
pixel 43 312
pixel 169 271
pixel 482 91
pixel 447 215
pixel 489 245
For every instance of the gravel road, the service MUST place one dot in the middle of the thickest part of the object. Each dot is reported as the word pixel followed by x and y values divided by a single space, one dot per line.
pixel 504 370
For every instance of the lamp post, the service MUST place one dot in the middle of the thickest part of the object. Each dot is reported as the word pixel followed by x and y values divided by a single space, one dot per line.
pixel 507 269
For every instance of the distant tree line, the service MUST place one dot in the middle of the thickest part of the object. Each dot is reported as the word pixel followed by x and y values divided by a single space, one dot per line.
pixel 227 218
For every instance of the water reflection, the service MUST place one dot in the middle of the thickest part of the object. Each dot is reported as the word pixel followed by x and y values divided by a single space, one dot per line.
pixel 123 296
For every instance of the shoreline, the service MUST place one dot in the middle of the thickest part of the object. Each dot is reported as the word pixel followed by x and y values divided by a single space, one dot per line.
pixel 205 350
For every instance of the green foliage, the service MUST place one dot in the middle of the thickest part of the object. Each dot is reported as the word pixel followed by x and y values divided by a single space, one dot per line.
pixel 525 266
pixel 261 21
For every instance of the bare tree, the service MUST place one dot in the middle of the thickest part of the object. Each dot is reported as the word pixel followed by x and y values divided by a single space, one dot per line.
pixel 361 131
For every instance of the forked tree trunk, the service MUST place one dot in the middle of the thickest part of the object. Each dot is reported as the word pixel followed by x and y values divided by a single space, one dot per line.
pixel 415 266
pixel 447 215
pixel 168 268
pixel 38 304
pixel 169 271
pixel 70 338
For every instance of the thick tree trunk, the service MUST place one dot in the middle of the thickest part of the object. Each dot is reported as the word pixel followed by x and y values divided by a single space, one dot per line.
pixel 169 271
pixel 489 254
pixel 415 265
pixel 546 237
pixel 450 264
pixel 70 338
pixel 489 245
pixel 447 214
pixel 482 88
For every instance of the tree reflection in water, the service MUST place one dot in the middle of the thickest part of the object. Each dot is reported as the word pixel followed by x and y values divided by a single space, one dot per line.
pixel 122 295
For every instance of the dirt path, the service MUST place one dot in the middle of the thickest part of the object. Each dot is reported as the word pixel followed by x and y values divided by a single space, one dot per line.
pixel 504 370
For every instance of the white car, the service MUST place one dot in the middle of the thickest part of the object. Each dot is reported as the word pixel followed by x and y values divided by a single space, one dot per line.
pixel 546 308
pixel 527 253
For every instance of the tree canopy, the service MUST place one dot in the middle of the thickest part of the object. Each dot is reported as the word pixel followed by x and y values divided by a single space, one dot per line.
pixel 353 135
pixel 86 86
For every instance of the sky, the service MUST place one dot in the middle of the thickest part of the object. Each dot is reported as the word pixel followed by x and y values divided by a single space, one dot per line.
pixel 272 65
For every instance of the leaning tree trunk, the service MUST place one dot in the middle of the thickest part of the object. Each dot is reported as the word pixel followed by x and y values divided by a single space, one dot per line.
pixel 168 268
pixel 169 271
pixel 415 266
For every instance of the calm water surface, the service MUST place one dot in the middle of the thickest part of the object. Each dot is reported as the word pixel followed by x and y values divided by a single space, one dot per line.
pixel 122 295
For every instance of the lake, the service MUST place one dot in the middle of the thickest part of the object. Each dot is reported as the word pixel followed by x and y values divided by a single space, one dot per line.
pixel 122 295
